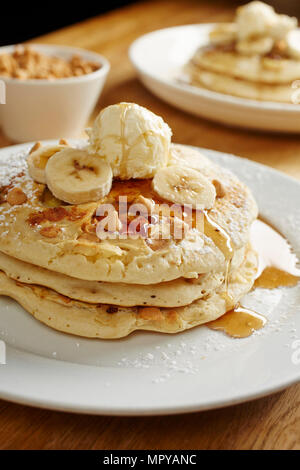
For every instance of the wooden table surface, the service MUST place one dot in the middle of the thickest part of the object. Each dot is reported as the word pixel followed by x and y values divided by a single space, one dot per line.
pixel 268 423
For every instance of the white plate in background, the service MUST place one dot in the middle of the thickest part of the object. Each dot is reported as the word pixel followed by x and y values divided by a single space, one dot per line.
pixel 159 57
pixel 149 373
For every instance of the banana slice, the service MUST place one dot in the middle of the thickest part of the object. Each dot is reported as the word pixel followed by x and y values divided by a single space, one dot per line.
pixel 293 44
pixel 76 176
pixel 223 34
pixel 257 46
pixel 184 186
pixel 38 159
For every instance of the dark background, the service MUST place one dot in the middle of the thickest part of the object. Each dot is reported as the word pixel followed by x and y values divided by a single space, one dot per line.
pixel 27 19
pixel 24 20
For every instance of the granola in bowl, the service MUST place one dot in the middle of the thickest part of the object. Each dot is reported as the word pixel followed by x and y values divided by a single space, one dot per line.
pixel 25 63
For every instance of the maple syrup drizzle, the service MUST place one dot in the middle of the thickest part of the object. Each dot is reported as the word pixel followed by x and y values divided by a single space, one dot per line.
pixel 132 189
pixel 223 241
pixel 214 231
pixel 272 277
pixel 277 268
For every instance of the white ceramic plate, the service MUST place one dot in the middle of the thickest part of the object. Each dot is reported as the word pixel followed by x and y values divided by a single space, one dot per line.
pixel 150 373
pixel 158 58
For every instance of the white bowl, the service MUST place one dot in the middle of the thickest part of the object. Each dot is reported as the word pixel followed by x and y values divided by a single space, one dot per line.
pixel 44 109
pixel 159 57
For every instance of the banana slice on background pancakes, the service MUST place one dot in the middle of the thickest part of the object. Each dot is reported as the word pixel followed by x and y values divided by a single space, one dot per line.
pixel 224 33
pixel 76 176
pixel 256 46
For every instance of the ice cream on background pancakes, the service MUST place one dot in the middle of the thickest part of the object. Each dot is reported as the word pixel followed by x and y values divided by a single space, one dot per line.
pixel 257 56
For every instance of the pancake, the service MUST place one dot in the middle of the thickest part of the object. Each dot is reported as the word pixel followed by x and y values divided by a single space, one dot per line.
pixel 235 86
pixel 104 321
pixel 61 238
pixel 257 69
pixel 174 293
pixel 224 68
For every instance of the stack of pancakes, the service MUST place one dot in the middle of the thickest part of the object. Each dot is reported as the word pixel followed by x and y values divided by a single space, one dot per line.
pixel 55 266
pixel 265 78
pixel 257 56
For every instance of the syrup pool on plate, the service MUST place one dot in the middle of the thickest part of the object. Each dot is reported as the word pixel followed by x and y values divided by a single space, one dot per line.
pixel 277 267
pixel 238 323
pixel 277 263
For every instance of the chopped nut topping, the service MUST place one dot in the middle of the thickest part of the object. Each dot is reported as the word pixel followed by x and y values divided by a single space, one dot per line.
pixel 26 63
pixel 88 236
pixel 50 232
pixel 89 228
pixel 194 280
pixel 16 197
pixel 35 147
pixel 75 214
pixel 55 214
pixel 156 245
pixel 219 188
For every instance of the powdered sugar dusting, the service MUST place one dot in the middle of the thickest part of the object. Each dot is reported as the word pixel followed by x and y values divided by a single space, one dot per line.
pixel 11 165
pixel 13 170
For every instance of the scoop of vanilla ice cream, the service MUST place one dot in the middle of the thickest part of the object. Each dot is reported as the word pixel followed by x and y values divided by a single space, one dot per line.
pixel 258 19
pixel 132 139
pixel 254 19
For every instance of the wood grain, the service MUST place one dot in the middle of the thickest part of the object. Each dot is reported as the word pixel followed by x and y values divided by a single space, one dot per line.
pixel 268 423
